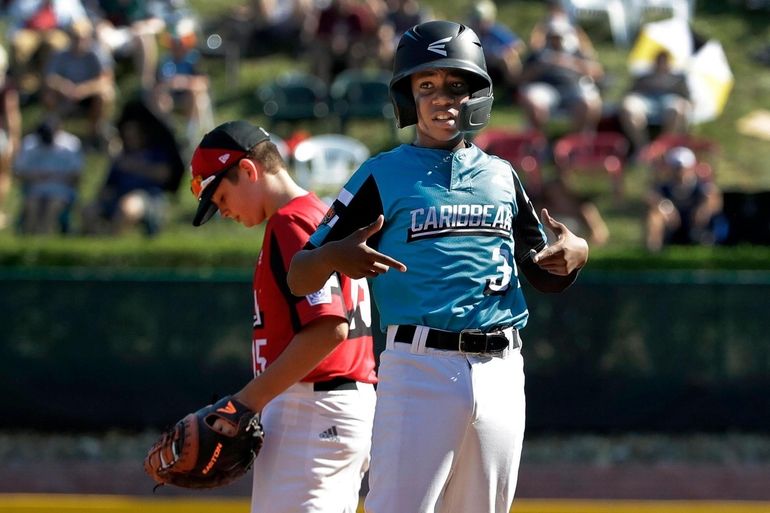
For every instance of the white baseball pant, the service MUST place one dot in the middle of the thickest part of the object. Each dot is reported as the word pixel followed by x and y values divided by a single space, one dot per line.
pixel 448 431
pixel 316 450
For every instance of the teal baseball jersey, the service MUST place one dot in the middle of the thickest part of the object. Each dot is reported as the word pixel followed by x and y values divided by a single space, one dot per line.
pixel 460 221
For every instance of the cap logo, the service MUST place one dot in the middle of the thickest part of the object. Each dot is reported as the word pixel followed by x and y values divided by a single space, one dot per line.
pixel 223 158
pixel 439 46
pixel 199 185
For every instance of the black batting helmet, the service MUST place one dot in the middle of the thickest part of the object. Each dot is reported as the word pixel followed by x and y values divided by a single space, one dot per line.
pixel 441 44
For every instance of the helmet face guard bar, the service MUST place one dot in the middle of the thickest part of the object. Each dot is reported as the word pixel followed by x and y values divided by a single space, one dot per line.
pixel 447 45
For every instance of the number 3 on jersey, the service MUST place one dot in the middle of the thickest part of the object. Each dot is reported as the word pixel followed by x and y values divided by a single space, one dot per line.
pixel 501 282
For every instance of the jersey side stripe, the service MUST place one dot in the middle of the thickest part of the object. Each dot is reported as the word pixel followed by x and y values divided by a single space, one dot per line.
pixel 528 232
pixel 280 272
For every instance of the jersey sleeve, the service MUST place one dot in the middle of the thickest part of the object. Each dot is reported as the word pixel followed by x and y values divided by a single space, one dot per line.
pixel 529 235
pixel 528 232
pixel 357 205
pixel 286 239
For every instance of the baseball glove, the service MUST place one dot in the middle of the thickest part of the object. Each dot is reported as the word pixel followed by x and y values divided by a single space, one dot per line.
pixel 193 454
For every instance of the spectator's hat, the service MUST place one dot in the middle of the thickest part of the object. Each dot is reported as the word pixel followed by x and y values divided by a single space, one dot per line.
pixel 484 11
pixel 81 27
pixel 182 31
pixel 218 152
pixel 680 157
pixel 559 27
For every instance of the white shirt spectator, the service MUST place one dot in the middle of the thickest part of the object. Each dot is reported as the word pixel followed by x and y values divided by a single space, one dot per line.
pixel 50 170
pixel 65 11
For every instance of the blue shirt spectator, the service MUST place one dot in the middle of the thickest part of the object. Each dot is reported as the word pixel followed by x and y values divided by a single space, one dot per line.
pixel 502 47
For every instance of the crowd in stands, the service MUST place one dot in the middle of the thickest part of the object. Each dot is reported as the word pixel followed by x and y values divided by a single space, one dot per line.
pixel 63 58
pixel 65 55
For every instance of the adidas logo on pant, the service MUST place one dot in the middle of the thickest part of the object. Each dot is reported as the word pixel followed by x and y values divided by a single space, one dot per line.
pixel 330 434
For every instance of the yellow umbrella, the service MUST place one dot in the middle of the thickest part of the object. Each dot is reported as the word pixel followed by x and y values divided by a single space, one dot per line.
pixel 703 61
pixel 673 35
pixel 710 81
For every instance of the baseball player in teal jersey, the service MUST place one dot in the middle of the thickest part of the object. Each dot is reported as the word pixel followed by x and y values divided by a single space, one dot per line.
pixel 458 229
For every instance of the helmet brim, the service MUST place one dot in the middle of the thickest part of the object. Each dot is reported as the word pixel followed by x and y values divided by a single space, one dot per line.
pixel 480 77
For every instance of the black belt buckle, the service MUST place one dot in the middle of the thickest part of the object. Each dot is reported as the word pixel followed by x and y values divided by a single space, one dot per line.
pixel 464 343
pixel 478 342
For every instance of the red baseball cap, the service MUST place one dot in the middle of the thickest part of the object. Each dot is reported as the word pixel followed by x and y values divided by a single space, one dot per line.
pixel 218 151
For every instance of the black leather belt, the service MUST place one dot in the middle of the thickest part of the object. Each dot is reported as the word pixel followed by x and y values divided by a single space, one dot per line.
pixel 466 341
pixel 340 383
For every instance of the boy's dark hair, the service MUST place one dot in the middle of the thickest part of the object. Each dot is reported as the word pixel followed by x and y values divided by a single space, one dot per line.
pixel 267 154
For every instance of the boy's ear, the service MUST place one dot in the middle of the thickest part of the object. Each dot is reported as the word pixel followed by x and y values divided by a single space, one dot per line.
pixel 252 169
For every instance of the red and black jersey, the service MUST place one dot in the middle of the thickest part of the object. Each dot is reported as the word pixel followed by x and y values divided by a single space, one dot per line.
pixel 279 315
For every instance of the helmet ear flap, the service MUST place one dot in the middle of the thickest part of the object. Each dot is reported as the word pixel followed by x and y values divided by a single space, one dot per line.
pixel 403 105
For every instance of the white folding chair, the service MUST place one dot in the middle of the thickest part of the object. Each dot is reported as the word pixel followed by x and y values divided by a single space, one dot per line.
pixel 638 9
pixel 615 10
pixel 323 163
pixel 683 9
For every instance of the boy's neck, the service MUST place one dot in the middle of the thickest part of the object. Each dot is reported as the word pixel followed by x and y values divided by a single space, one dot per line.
pixel 453 145
pixel 285 191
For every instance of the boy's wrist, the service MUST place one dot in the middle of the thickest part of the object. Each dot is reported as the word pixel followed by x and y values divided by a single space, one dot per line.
pixel 251 397
pixel 327 254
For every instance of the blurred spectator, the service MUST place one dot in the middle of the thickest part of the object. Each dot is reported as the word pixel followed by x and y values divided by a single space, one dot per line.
pixel 575 38
pixel 343 34
pixel 181 85
pixel 502 48
pixel 557 79
pixel 660 97
pixel 141 175
pixel 128 28
pixel 49 166
pixel 80 79
pixel 36 29
pixel 753 5
pixel 258 28
pixel 10 131
pixel 683 208
pixel 400 16
pixel 580 214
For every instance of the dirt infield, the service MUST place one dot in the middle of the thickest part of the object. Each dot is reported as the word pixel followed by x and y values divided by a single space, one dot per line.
pixel 553 481
pixel 628 467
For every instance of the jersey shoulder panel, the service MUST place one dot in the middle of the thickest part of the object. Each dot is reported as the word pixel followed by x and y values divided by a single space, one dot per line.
pixel 359 202
pixel 375 164
pixel 291 225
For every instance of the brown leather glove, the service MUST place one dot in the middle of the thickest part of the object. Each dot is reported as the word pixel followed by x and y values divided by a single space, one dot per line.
pixel 193 454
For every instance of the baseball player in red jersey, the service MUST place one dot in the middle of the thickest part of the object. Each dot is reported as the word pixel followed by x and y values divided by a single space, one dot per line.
pixel 313 355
